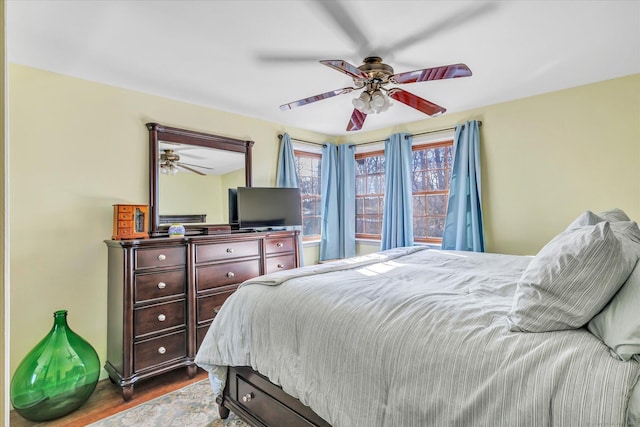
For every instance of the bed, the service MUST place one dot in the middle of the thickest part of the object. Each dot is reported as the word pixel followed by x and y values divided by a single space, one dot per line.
pixel 421 337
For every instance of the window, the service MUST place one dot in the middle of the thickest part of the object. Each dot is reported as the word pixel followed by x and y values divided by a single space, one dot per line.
pixel 369 194
pixel 308 167
pixel 431 172
pixel 430 188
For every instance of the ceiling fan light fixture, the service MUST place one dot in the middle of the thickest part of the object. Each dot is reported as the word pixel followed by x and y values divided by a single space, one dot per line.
pixel 168 168
pixel 372 102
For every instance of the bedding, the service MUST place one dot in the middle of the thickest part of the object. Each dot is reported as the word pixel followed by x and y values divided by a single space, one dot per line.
pixel 415 337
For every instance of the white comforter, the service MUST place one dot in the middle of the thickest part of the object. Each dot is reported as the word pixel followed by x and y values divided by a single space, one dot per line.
pixel 415 337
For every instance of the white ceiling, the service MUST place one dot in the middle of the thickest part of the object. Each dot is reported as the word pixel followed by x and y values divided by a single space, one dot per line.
pixel 249 57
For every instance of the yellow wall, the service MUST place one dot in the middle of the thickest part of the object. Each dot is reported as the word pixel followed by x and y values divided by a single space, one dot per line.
pixel 4 408
pixel 78 147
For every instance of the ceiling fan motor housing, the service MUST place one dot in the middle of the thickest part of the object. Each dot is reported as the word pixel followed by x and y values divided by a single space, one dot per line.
pixel 375 69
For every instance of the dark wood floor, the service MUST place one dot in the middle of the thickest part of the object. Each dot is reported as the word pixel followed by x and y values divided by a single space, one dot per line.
pixel 107 400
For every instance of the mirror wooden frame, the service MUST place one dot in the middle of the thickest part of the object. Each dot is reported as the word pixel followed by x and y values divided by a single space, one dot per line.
pixel 157 133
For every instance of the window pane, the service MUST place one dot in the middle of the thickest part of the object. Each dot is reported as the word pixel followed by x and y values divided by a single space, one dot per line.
pixel 359 206
pixel 308 206
pixel 374 184
pixel 419 205
pixel 436 227
pixel 419 181
pixel 371 205
pixel 373 225
pixel 436 204
pixel 419 160
pixel 419 227
pixel 359 225
pixel 437 180
pixel 437 158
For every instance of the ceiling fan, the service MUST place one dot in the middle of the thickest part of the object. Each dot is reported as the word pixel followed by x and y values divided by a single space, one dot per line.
pixel 170 162
pixel 373 76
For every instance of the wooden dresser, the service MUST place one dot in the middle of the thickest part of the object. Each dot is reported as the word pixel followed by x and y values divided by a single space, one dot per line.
pixel 163 293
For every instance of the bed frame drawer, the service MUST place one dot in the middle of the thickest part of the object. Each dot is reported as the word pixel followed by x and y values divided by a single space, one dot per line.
pixel 253 398
pixel 273 413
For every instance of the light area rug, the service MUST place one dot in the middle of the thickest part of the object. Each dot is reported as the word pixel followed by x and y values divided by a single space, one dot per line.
pixel 193 406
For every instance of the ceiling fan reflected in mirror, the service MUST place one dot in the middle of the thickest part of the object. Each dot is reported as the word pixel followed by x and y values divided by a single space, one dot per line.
pixel 170 164
pixel 372 77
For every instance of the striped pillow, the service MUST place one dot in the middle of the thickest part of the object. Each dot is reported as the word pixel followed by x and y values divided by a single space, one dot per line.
pixel 570 280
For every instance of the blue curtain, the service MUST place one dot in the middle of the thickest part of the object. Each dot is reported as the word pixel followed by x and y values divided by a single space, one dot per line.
pixel 287 176
pixel 463 225
pixel 338 233
pixel 397 219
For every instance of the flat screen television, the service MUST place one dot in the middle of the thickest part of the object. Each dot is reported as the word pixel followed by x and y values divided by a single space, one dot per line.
pixel 264 207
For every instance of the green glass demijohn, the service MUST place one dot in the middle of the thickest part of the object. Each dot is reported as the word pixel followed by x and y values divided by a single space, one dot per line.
pixel 57 375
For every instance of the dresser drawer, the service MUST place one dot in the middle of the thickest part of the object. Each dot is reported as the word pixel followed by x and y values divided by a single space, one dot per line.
pixel 159 350
pixel 277 263
pixel 201 332
pixel 274 245
pixel 209 305
pixel 157 285
pixel 160 257
pixel 228 250
pixel 159 317
pixel 229 273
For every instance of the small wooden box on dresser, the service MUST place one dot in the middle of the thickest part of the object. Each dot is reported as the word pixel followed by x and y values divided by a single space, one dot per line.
pixel 163 294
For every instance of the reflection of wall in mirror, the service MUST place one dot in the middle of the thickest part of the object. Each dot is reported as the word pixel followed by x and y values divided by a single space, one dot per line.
pixel 231 180
pixel 191 194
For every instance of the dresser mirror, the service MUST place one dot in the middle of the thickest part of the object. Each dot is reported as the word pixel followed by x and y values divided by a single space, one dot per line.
pixel 189 176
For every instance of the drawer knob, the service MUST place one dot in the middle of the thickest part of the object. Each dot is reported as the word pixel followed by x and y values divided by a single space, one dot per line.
pixel 230 250
pixel 162 318
pixel 230 274
pixel 162 285
pixel 279 244
pixel 247 397
pixel 162 350
pixel 280 265
pixel 162 257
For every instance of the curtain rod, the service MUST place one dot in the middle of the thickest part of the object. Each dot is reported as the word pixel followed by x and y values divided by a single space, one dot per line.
pixel 383 140
pixel 439 130
pixel 302 140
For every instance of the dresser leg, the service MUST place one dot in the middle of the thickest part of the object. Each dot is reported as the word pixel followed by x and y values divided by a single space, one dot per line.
pixel 127 392
pixel 192 370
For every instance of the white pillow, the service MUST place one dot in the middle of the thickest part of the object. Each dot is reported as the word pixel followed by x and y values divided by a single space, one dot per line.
pixel 618 325
pixel 614 215
pixel 570 280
